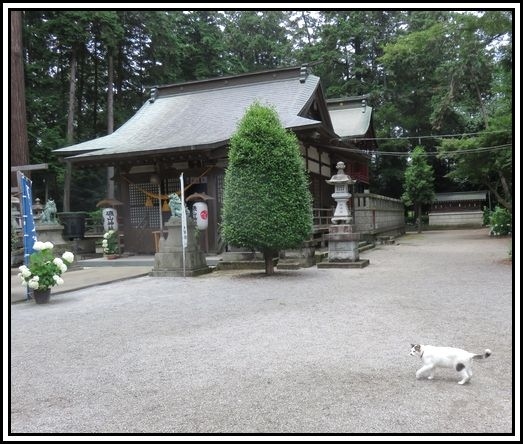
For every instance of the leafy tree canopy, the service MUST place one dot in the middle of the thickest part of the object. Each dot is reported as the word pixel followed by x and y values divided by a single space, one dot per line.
pixel 267 203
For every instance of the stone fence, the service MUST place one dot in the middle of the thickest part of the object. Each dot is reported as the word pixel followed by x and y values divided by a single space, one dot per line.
pixel 376 215
pixel 456 219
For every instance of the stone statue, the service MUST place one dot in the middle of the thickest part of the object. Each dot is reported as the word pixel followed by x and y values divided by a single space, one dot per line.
pixel 175 204
pixel 49 213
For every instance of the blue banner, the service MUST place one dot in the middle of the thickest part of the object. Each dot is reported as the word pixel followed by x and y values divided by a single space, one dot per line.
pixel 28 222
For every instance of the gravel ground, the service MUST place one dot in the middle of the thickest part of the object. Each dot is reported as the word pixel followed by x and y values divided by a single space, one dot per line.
pixel 305 351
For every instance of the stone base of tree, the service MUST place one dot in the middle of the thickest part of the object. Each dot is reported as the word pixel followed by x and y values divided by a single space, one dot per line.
pixel 243 264
pixel 302 257
pixel 340 264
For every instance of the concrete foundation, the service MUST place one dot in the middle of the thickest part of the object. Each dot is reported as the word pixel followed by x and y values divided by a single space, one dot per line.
pixel 343 248
pixel 50 233
pixel 169 260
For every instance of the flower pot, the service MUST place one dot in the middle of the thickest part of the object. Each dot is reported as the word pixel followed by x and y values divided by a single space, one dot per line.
pixel 112 256
pixel 42 296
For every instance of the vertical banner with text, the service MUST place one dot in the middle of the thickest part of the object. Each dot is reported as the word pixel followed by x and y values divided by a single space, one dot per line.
pixel 184 221
pixel 29 229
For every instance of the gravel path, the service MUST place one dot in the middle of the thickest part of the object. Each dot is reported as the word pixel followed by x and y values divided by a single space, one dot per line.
pixel 306 351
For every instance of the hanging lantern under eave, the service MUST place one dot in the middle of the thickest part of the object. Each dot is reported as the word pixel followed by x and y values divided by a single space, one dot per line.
pixel 110 218
pixel 200 211
pixel 148 202
pixel 201 215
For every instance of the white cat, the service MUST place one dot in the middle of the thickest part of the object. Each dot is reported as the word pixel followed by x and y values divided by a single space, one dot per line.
pixel 448 357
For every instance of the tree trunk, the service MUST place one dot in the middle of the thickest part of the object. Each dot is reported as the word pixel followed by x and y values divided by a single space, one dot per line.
pixel 506 203
pixel 268 255
pixel 110 120
pixel 67 187
pixel 72 93
pixel 19 148
pixel 418 210
pixel 110 95
pixel 506 190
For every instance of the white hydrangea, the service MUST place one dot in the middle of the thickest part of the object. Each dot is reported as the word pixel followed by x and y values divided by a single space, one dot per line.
pixel 68 256
pixel 58 261
pixel 24 271
pixel 58 280
pixel 62 267
pixel 33 283
pixel 38 246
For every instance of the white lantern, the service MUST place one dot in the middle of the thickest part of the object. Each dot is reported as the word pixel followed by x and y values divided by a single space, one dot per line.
pixel 110 217
pixel 201 214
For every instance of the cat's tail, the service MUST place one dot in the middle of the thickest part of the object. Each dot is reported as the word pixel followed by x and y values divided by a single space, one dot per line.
pixel 483 356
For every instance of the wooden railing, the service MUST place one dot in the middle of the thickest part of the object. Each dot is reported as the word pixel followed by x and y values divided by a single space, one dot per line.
pixel 321 217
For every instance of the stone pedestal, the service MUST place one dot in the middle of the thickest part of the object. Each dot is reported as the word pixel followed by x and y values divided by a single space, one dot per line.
pixel 343 248
pixel 302 257
pixel 50 233
pixel 83 247
pixel 169 260
pixel 53 233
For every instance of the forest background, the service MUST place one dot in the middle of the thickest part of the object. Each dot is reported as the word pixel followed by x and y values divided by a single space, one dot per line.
pixel 440 79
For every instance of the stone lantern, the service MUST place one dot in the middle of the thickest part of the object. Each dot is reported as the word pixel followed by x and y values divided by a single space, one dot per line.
pixel 341 195
pixel 343 242
pixel 37 209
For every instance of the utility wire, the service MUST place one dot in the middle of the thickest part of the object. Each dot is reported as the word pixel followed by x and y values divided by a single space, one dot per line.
pixel 355 139
pixel 440 154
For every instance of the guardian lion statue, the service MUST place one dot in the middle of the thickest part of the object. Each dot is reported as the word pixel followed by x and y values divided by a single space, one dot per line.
pixel 175 204
pixel 49 213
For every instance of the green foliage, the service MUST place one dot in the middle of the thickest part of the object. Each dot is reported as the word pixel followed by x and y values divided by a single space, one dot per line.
pixel 486 216
pixel 110 242
pixel 267 203
pixel 255 40
pixel 500 222
pixel 428 72
pixel 14 240
pixel 96 216
pixel 44 270
pixel 419 180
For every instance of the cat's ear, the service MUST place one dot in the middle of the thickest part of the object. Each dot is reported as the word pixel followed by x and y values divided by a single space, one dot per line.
pixel 412 345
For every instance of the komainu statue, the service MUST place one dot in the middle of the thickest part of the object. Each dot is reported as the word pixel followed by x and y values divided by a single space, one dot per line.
pixel 49 213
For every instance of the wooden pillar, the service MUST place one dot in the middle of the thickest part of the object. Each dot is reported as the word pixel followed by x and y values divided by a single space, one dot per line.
pixel 67 187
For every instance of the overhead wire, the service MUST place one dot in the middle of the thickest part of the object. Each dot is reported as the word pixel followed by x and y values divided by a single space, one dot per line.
pixel 435 136
pixel 436 153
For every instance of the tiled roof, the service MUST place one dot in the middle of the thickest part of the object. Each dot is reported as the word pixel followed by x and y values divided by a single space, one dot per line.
pixel 204 114
pixel 460 196
pixel 351 117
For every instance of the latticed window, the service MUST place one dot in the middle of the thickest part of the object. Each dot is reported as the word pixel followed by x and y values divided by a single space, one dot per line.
pixel 143 202
pixel 142 215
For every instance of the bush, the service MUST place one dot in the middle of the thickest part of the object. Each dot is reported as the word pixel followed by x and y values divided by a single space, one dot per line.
pixel 267 205
pixel 500 222
pixel 110 242
pixel 410 218
pixel 486 216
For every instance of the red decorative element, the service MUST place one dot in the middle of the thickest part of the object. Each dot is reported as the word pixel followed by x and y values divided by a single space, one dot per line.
pixel 203 215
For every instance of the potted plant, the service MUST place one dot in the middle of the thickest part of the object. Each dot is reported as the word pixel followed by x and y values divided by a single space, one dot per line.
pixel 111 245
pixel 44 270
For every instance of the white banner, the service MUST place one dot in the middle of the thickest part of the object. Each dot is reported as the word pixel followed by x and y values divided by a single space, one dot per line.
pixel 184 221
